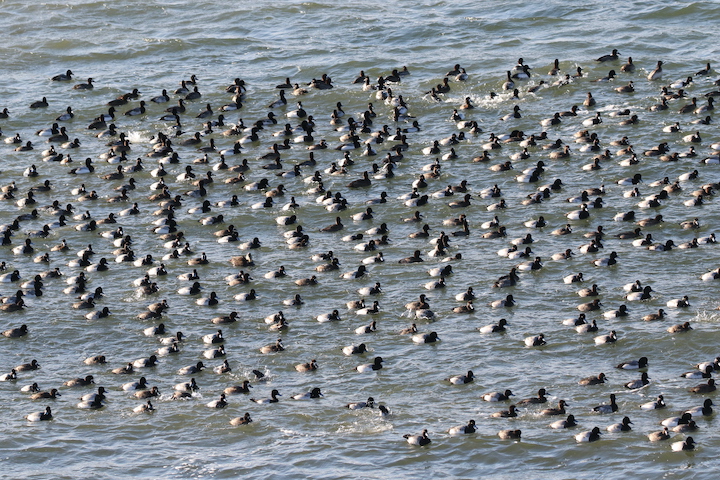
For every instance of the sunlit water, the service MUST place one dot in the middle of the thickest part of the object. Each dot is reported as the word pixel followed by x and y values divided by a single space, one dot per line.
pixel 151 46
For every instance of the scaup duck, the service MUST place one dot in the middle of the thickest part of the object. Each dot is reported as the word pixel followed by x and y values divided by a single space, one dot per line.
pixel 640 363
pixel 244 420
pixel 40 416
pixel 659 436
pixel 566 423
pixel 510 434
pixel 704 387
pixel 588 436
pixel 264 401
pixel 191 369
pixel 219 403
pixel 420 440
pixel 463 429
pixel 369 367
pixel 535 400
pixel 654 405
pixel 314 393
pixel 238 389
pixel 705 409
pixel 687 444
pixel 623 426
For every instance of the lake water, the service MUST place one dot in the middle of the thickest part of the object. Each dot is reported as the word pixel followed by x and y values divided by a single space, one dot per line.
pixel 154 45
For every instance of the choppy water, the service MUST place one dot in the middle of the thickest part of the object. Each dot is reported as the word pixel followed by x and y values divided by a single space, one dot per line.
pixel 123 45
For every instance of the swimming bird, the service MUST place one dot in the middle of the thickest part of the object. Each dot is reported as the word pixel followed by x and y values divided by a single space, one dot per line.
pixel 569 422
pixel 219 403
pixel 40 416
pixel 265 401
pixel 497 396
pixel 610 57
pixel 420 440
pixel 314 393
pixel 639 383
pixel 656 404
pixel 623 426
pixel 641 363
pixel 534 400
pixel 704 387
pixel 603 339
pixel 687 444
pixel 462 429
pixel 191 369
pixel 369 367
pixel 659 436
pixel 244 420
pixel 588 436
pixel 705 409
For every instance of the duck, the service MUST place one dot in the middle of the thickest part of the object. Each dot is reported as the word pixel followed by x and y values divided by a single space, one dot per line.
pixel 137 385
pixel 80 381
pixel 641 363
pixel 26 367
pixel 590 306
pixel 534 400
pixel 535 340
pixel 211 300
pixel 370 403
pixel 510 434
pixel 307 367
pixel 641 295
pixel 265 401
pixel 421 338
pixel 704 387
pixel 153 392
pixel 683 419
pixel 678 302
pixel 497 396
pixel 623 426
pixel 244 420
pixel 85 86
pixel 191 369
pixel 659 436
pixel 610 57
pixel 99 395
pixel 603 339
pixel 314 393
pixel 40 103
pixel 273 348
pixel 657 72
pixel 639 383
pixel 687 444
pixel 370 367
pixel 18 331
pixel 588 436
pixel 144 408
pixel 419 440
pixel 679 328
pixel 469 377
pixel 705 409
pixel 566 423
pixel 656 404
pixel 594 380
pixel 559 410
pixel 44 395
pixel 192 290
pixel 508 280
pixel 463 429
pixel 40 416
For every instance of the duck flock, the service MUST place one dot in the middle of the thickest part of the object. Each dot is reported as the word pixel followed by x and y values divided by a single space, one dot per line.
pixel 219 228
